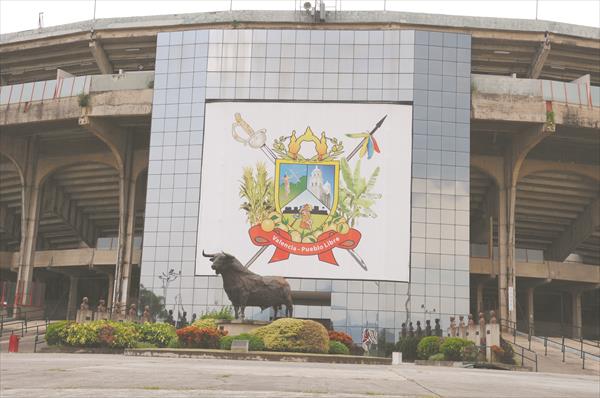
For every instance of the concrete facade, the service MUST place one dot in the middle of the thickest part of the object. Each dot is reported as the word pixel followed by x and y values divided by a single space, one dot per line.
pixel 523 150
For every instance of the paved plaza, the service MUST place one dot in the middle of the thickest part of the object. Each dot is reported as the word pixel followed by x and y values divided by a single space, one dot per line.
pixel 85 375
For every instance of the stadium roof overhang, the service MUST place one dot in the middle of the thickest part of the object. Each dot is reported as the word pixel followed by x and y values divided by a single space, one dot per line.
pixel 537 49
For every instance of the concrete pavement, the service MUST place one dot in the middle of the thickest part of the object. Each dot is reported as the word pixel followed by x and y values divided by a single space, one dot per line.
pixel 85 375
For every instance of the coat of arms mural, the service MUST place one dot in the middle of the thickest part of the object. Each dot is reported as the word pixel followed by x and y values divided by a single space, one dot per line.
pixel 310 191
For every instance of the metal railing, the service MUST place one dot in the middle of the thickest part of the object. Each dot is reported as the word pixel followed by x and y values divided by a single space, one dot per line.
pixel 562 342
pixel 24 317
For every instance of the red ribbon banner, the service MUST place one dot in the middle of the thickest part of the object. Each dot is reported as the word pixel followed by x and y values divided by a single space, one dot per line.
pixel 284 246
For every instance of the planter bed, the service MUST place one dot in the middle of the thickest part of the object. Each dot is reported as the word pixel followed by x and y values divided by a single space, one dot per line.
pixel 255 355
pixel 80 350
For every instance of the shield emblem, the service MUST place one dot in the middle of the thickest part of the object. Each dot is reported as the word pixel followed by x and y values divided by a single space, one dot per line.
pixel 306 193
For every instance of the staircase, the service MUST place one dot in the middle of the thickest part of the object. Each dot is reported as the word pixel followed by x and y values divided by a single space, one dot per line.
pixel 550 354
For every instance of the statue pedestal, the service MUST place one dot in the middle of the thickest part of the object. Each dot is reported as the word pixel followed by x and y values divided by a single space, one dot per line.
pixel 237 326
pixel 84 316
pixel 492 337
pixel 101 316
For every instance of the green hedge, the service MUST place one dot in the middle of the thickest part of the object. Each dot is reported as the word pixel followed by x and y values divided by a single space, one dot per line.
pixel 453 347
pixel 338 348
pixel 255 343
pixel 428 346
pixel 294 335
pixel 408 347
pixel 110 334
pixel 53 330
pixel 158 334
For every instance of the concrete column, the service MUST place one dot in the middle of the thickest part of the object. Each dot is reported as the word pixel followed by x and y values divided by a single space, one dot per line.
pixel 111 289
pixel 503 255
pixel 479 299
pixel 31 197
pixel 126 218
pixel 576 314
pixel 530 309
pixel 72 303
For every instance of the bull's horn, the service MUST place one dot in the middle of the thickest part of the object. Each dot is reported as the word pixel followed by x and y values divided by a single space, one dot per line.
pixel 207 255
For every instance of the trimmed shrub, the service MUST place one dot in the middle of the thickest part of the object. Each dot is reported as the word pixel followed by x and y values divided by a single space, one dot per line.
pixel 341 337
pixel 53 332
pixel 82 334
pixel 194 337
pixel 469 353
pixel 437 357
pixel 508 356
pixel 338 348
pixel 142 344
pixel 408 347
pixel 158 334
pixel 452 347
pixel 224 313
pixel 428 346
pixel 205 323
pixel 255 343
pixel 99 334
pixel 295 335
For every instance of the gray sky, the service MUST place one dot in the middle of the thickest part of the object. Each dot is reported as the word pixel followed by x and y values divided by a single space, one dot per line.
pixel 18 15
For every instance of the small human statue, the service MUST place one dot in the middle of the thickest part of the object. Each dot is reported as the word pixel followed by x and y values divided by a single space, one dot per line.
pixel 411 330
pixel 403 330
pixel 85 306
pixel 452 328
pixel 193 318
pixel 471 322
pixel 428 327
pixel 482 320
pixel 419 330
pixel 147 316
pixel 170 319
pixel 101 306
pixel 461 326
pixel 133 311
pixel 493 319
pixel 184 322
pixel 437 328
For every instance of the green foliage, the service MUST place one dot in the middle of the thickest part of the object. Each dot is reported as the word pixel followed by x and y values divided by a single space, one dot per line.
pixel 100 334
pixel 437 357
pixel 428 346
pixel 356 196
pixel 257 191
pixel 156 303
pixel 295 335
pixel 195 337
pixel 142 344
pixel 337 348
pixel 174 343
pixel 452 347
pixel 408 347
pixel 53 332
pixel 508 356
pixel 342 337
pixel 469 353
pixel 205 323
pixel 255 343
pixel 83 100
pixel 158 334
pixel 224 313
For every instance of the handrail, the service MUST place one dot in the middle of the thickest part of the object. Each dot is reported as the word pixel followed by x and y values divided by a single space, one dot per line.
pixel 22 321
pixel 522 354
pixel 580 351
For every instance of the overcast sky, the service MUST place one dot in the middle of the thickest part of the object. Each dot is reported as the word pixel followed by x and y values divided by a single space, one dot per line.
pixel 18 15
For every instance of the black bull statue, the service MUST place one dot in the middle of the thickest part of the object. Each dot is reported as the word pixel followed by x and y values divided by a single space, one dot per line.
pixel 245 288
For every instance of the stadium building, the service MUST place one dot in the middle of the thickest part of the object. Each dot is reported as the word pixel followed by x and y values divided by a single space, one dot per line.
pixel 121 159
